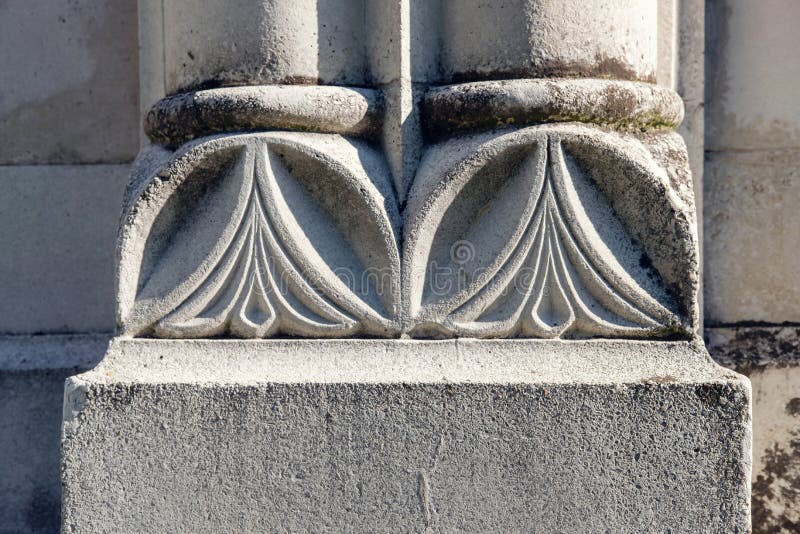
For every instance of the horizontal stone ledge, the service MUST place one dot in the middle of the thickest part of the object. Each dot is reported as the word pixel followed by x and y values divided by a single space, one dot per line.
pixel 623 105
pixel 75 352
pixel 405 361
pixel 324 109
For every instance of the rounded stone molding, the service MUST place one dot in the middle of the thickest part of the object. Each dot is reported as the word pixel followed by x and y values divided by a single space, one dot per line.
pixel 622 105
pixel 324 109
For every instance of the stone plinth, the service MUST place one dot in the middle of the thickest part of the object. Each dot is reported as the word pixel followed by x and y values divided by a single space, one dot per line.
pixel 381 435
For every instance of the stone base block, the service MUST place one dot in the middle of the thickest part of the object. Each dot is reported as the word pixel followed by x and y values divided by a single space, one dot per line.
pixel 368 435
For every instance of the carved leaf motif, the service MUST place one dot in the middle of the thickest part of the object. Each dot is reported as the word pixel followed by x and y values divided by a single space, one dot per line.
pixel 272 268
pixel 566 267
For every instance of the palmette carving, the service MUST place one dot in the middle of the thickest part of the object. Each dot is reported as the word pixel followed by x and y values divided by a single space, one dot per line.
pixel 551 276
pixel 281 260
pixel 510 235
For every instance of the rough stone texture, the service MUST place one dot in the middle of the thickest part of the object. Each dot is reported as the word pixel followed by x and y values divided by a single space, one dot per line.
pixel 550 231
pixel 375 435
pixel 32 374
pixel 343 110
pixel 752 189
pixel 70 84
pixel 770 356
pixel 72 71
pixel 57 234
pixel 751 236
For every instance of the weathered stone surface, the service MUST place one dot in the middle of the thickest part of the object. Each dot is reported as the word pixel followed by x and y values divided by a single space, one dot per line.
pixel 566 231
pixel 584 229
pixel 752 238
pixel 262 246
pixel 749 347
pixel 57 234
pixel 245 42
pixel 70 82
pixel 497 104
pixel 32 374
pixel 549 231
pixel 376 435
pixel 752 85
pixel 770 356
pixel 549 38
pixel 776 448
pixel 343 110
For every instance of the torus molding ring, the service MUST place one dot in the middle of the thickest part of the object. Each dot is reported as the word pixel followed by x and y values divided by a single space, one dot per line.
pixel 324 109
pixel 622 105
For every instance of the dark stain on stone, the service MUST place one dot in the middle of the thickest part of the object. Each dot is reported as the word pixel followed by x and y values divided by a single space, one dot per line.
pixel 746 348
pixel 602 67
pixel 43 513
pixel 237 80
pixel 721 395
pixel 645 262
pixel 793 407
pixel 778 487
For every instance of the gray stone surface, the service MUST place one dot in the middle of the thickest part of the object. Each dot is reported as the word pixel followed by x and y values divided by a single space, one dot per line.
pixel 343 110
pixel 612 103
pixel 547 231
pixel 549 38
pixel 220 436
pixel 70 82
pixel 752 82
pixel 246 42
pixel 752 183
pixel 32 374
pixel 751 236
pixel 57 234
pixel 690 84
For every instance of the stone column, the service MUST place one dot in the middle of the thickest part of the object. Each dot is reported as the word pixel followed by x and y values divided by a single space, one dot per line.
pixel 408 265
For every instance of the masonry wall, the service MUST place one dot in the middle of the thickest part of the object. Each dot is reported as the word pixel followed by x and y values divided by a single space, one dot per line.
pixel 69 110
pixel 751 190
pixel 68 133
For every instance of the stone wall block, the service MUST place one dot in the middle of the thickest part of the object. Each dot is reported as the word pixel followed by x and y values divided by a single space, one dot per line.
pixel 70 82
pixel 58 236
pixel 751 257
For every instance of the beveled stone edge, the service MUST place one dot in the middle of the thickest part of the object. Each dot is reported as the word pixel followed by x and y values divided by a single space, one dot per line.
pixel 313 108
pixel 618 104
pixel 368 361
